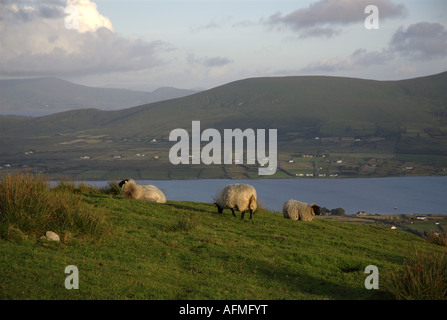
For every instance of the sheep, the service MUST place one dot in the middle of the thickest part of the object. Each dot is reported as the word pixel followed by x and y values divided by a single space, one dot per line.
pixel 239 197
pixel 297 210
pixel 150 193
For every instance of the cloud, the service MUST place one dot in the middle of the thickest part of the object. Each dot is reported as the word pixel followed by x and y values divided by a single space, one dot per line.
pixel 207 68
pixel 320 18
pixel 85 15
pixel 208 62
pixel 41 39
pixel 421 41
pixel 210 26
pixel 25 12
pixel 319 32
pixel 360 58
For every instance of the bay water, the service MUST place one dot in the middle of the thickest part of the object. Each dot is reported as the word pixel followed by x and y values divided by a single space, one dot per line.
pixel 393 195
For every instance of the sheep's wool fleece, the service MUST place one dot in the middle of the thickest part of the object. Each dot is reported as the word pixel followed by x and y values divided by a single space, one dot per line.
pixel 237 196
pixel 148 192
pixel 297 210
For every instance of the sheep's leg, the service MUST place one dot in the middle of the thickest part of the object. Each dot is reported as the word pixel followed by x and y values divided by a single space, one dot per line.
pixel 251 213
pixel 242 215
pixel 232 210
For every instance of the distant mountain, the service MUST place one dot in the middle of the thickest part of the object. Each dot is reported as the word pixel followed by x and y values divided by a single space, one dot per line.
pixel 376 127
pixel 299 107
pixel 43 96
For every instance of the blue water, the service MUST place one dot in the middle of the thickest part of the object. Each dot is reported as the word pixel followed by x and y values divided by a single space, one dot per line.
pixel 406 195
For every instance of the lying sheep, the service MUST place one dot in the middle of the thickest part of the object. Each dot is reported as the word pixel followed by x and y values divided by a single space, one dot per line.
pixel 239 197
pixel 297 210
pixel 150 193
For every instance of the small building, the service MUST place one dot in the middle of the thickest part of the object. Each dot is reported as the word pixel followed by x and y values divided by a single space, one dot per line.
pixel 309 174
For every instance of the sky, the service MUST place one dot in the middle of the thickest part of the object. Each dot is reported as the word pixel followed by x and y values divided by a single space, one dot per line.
pixel 147 44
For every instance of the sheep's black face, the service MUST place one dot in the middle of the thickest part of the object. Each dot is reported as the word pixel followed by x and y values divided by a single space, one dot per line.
pixel 219 208
pixel 316 210
pixel 123 182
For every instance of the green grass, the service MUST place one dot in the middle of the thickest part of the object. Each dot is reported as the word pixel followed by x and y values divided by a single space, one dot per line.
pixel 185 250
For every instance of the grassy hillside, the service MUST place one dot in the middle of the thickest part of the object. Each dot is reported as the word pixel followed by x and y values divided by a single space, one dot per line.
pixel 185 250
pixel 307 105
pixel 379 127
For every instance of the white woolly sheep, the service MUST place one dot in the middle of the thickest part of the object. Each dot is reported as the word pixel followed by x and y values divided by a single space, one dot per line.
pixel 297 210
pixel 239 197
pixel 150 193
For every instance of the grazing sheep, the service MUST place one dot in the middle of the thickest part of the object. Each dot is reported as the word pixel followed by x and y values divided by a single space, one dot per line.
pixel 239 197
pixel 297 210
pixel 150 193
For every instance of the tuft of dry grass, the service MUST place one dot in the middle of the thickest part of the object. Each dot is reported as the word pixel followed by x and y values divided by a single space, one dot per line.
pixel 437 238
pixel 423 277
pixel 27 203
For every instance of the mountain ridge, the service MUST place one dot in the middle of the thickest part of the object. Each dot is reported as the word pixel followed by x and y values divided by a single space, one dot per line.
pixel 330 105
pixel 49 95
pixel 376 128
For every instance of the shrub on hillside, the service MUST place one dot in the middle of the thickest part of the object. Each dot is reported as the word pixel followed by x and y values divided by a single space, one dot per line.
pixel 338 212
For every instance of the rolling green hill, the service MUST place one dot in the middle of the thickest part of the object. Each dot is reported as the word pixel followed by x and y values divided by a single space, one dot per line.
pixel 186 251
pixel 403 119
pixel 324 106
